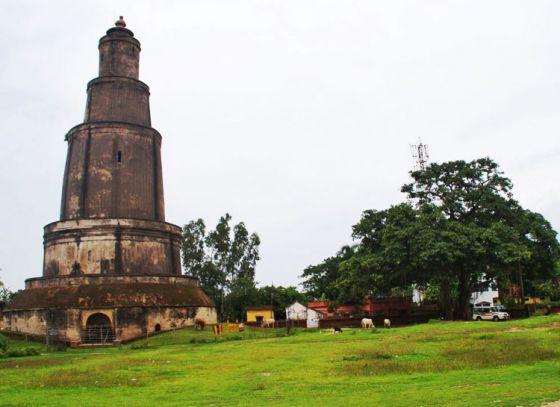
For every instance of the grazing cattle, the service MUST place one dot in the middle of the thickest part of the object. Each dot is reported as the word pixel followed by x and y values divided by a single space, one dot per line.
pixel 199 323
pixel 387 323
pixel 367 323
pixel 337 330
pixel 267 322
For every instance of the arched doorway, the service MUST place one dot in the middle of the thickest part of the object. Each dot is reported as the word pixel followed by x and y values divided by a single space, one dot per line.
pixel 98 329
pixel 157 328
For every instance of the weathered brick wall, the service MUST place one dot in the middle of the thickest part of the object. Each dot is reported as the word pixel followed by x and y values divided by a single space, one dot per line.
pixel 34 322
pixel 112 246
pixel 118 99
pixel 113 171
pixel 128 323
pixel 73 281
pixel 119 53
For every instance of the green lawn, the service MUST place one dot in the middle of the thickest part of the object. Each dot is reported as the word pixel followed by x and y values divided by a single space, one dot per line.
pixel 514 363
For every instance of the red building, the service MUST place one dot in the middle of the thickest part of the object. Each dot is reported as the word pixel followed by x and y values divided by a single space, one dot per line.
pixel 389 306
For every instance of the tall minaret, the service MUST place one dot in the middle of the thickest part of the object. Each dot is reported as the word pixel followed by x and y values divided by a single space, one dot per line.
pixel 113 167
pixel 112 268
pixel 112 212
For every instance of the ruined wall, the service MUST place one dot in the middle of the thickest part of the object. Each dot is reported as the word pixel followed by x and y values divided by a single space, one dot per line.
pixel 128 323
pixel 133 323
pixel 34 322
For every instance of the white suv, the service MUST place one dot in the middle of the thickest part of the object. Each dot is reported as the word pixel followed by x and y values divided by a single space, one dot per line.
pixel 489 314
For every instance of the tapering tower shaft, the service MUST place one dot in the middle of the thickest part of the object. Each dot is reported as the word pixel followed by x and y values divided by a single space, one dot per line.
pixel 112 212
pixel 113 167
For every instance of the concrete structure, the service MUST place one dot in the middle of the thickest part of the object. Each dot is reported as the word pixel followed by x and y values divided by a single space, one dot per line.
pixel 112 268
pixel 299 312
pixel 388 306
pixel 296 312
pixel 313 317
pixel 486 295
pixel 259 314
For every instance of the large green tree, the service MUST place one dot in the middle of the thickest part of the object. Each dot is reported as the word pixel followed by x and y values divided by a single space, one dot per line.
pixel 224 259
pixel 459 228
pixel 6 294
pixel 320 280
pixel 494 237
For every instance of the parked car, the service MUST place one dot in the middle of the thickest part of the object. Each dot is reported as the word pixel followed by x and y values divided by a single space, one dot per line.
pixel 489 314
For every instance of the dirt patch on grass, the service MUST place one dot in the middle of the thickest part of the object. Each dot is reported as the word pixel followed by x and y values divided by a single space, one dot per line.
pixel 553 325
pixel 515 329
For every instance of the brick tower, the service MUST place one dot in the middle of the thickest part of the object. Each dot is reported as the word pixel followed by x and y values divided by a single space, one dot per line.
pixel 112 267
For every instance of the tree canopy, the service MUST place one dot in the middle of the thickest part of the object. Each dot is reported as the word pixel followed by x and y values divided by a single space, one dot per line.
pixel 6 295
pixel 460 227
pixel 224 259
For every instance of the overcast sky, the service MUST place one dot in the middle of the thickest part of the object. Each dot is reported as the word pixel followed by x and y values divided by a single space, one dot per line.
pixel 293 116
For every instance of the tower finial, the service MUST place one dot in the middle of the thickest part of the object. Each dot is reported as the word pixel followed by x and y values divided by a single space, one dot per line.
pixel 120 22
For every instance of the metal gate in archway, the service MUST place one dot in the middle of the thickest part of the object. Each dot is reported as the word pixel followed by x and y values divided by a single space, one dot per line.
pixel 99 330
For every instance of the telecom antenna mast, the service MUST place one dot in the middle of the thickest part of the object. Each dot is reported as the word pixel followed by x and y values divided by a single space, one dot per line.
pixel 419 155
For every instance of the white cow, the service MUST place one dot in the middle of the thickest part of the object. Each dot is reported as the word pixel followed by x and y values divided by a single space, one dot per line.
pixel 267 322
pixel 367 323
pixel 387 323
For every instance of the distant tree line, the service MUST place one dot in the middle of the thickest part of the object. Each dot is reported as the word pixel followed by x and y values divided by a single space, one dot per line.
pixel 224 260
pixel 458 230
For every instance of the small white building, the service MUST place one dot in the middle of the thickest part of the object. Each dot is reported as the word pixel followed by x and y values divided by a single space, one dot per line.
pixel 486 294
pixel 313 317
pixel 299 312
pixel 296 311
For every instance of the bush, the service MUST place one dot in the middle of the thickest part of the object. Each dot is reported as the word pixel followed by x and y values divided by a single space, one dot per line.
pixel 235 338
pixel 141 345
pixel 3 343
pixel 16 353
pixel 546 304
pixel 198 340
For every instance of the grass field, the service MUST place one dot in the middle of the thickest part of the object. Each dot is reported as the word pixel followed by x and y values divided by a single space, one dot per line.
pixel 514 363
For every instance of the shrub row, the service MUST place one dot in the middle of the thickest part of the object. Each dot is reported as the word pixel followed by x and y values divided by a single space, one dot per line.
pixel 16 353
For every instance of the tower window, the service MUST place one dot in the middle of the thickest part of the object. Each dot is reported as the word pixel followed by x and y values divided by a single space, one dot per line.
pixel 119 156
